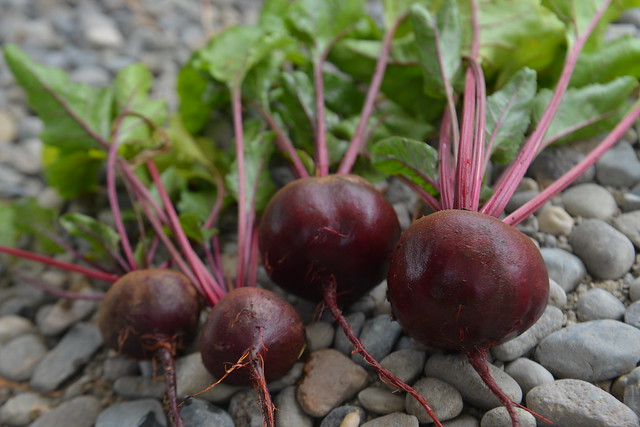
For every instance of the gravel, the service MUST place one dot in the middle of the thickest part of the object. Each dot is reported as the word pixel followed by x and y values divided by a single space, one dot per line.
pixel 56 373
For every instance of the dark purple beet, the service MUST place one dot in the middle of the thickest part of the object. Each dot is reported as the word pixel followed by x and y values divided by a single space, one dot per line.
pixel 148 308
pixel 319 229
pixel 462 280
pixel 253 320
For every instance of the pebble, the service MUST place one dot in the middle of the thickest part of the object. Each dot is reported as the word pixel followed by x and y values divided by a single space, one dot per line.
pixel 289 379
pixel 566 269
pixel 573 402
pixel 557 295
pixel 381 400
pixel 344 416
pixel 520 198
pixel 555 220
pixel 550 321
pixel 20 356
pixel 553 162
pixel 118 366
pixel 67 357
pixel 630 201
pixel 341 342
pixel 245 409
pixel 289 412
pixel 607 253
pixel 143 412
pixel 330 378
pixel 499 417
pixel 198 412
pixel 632 397
pixel 319 335
pixel 378 336
pixel 8 127
pixel 26 157
pixel 599 304
pixel 443 398
pixel 192 377
pixel 462 421
pixel 23 408
pixel 632 314
pixel 393 420
pixel 629 225
pixel 634 290
pixel 405 364
pixel 619 166
pixel 100 30
pixel 593 351
pixel 528 374
pixel 589 201
pixel 81 411
pixel 136 387
pixel 12 326
pixel 456 370
pixel 57 318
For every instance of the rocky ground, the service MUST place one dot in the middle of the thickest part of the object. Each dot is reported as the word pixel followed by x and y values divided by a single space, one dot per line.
pixel 577 364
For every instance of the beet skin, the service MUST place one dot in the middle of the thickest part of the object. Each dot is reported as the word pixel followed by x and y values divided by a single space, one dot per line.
pixel 256 321
pixel 148 308
pixel 462 280
pixel 333 228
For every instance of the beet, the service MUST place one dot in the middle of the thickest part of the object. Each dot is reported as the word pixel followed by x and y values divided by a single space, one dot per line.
pixel 465 281
pixel 335 228
pixel 461 280
pixel 151 314
pixel 251 318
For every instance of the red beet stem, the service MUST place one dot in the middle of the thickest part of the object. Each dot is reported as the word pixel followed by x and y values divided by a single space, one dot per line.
pixel 330 300
pixel 260 384
pixel 478 359
pixel 164 354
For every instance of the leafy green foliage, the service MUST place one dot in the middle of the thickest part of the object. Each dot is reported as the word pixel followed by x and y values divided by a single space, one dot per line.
pixel 102 239
pixel 586 111
pixel 403 156
pixel 26 218
pixel 620 57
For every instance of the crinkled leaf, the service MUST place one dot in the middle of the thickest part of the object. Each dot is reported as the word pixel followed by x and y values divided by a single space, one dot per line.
pixel 232 53
pixel 260 79
pixel 185 147
pixel 103 240
pixel 26 217
pixel 258 147
pixel 508 114
pixel 439 39
pixel 192 227
pixel 591 109
pixel 197 204
pixel 272 15
pixel 319 22
pixel 408 157
pixel 619 58
pixel 514 35
pixel 131 89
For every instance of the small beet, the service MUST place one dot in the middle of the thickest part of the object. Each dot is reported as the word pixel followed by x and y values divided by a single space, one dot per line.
pixel 256 322
pixel 335 228
pixel 147 306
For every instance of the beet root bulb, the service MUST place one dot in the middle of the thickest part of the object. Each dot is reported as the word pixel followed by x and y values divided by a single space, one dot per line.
pixel 461 280
pixel 256 323
pixel 148 308
pixel 321 229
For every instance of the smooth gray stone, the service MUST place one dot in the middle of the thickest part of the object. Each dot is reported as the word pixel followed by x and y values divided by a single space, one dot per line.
pixel 20 357
pixel 456 370
pixel 23 408
pixel 572 402
pixel 289 412
pixel 589 201
pixel 599 304
pixel 67 357
pixel 528 374
pixel 133 413
pixel 592 351
pixel 381 400
pixel 244 409
pixel 564 267
pixel 348 414
pixel 499 417
pixel 629 225
pixel 341 342
pixel 606 252
pixel 198 412
pixel 397 419
pixel 632 314
pixel 405 364
pixel 443 398
pixel 378 336
pixel 619 166
pixel 81 411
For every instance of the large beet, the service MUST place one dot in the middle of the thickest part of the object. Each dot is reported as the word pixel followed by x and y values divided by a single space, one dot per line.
pixel 462 280
pixel 334 228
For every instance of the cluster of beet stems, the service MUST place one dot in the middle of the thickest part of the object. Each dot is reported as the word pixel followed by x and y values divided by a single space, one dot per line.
pixel 463 157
